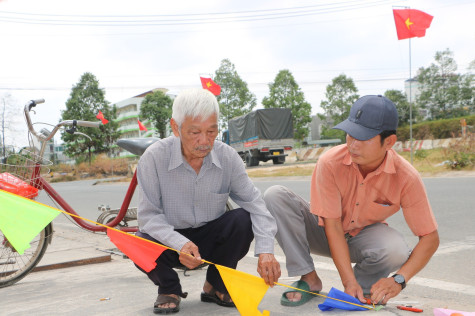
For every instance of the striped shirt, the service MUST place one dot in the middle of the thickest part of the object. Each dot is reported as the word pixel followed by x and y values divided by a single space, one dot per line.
pixel 338 190
pixel 172 196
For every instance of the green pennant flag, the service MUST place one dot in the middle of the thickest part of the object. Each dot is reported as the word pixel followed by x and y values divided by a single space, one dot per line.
pixel 21 219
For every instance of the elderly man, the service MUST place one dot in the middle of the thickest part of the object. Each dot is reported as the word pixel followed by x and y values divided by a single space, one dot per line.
pixel 185 182
pixel 354 188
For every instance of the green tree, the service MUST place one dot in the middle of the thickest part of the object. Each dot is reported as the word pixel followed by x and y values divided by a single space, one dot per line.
pixel 402 105
pixel 235 98
pixel 157 107
pixel 85 101
pixel 443 92
pixel 284 92
pixel 340 96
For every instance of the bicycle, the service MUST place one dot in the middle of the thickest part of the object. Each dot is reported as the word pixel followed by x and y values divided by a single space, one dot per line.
pixel 29 165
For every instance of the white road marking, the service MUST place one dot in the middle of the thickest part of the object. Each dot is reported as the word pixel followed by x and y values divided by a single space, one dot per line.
pixel 456 246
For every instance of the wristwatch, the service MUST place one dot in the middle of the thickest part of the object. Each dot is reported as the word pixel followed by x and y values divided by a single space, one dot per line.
pixel 399 278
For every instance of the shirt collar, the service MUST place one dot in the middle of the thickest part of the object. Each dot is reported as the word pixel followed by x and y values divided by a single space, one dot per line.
pixel 214 158
pixel 176 157
pixel 388 163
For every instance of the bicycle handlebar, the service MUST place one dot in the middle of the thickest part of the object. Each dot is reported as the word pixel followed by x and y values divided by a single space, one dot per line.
pixel 32 103
pixel 88 123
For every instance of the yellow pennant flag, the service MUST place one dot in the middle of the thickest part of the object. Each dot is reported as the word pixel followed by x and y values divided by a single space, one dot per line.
pixel 21 219
pixel 245 289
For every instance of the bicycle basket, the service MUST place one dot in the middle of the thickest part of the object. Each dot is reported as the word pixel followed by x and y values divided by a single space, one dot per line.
pixel 19 172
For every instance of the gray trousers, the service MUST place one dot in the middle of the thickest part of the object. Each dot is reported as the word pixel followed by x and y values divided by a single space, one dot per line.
pixel 376 251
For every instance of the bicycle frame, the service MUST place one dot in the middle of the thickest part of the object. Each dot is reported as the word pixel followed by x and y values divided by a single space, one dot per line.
pixel 41 184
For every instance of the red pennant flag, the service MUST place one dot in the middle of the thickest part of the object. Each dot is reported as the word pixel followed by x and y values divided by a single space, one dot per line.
pixel 142 252
pixel 411 23
pixel 210 85
pixel 101 117
pixel 141 126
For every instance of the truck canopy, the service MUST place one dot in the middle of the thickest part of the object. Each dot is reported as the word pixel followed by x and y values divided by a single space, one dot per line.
pixel 275 123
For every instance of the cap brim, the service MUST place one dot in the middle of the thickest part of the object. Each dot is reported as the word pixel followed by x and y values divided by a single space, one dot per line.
pixel 357 131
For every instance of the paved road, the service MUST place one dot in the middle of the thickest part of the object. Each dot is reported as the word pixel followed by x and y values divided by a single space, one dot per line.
pixel 447 281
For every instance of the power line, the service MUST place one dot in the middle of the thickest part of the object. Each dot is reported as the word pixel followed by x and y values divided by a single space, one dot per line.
pixel 185 19
pixel 187 85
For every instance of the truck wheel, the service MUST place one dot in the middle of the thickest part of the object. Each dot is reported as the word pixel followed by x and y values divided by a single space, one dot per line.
pixel 251 161
pixel 278 160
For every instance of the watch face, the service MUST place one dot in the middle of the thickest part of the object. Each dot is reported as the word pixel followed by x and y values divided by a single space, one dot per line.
pixel 399 278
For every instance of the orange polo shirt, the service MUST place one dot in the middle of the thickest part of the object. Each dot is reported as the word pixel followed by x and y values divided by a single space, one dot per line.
pixel 338 190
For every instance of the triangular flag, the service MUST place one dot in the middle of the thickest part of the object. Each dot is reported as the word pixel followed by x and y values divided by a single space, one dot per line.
pixel 411 23
pixel 102 118
pixel 245 289
pixel 141 126
pixel 22 219
pixel 210 85
pixel 142 252
pixel 330 304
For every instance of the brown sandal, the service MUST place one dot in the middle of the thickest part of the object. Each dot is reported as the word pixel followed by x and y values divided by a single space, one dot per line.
pixel 164 299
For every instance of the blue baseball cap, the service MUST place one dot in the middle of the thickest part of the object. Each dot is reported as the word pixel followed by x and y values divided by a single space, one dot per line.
pixel 369 116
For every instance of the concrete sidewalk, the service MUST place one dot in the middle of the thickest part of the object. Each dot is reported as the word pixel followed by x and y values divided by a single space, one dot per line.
pixel 116 287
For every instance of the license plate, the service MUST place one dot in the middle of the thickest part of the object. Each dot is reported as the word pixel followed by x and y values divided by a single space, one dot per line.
pixel 276 153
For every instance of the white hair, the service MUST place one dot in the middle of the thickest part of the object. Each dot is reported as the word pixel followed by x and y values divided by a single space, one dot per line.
pixel 193 103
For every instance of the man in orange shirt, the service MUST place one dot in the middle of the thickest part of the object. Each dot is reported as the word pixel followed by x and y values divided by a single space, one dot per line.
pixel 354 188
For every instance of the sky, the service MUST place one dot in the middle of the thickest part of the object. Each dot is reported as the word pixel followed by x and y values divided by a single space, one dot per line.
pixel 135 46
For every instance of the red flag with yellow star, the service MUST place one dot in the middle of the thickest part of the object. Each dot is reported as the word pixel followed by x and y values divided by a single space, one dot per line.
pixel 411 23
pixel 210 85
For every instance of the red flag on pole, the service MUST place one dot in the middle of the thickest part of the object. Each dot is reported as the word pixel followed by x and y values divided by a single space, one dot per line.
pixel 141 126
pixel 210 85
pixel 411 23
pixel 141 252
pixel 101 117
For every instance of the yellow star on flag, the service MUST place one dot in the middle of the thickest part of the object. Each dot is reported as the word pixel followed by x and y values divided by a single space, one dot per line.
pixel 208 84
pixel 408 23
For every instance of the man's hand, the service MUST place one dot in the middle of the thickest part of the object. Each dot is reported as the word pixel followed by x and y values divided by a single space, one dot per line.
pixel 354 289
pixel 188 261
pixel 385 289
pixel 268 268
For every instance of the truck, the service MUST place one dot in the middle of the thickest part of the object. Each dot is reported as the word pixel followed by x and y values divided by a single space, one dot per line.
pixel 261 135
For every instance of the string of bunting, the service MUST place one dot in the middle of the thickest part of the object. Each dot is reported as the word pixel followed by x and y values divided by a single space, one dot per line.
pixel 145 255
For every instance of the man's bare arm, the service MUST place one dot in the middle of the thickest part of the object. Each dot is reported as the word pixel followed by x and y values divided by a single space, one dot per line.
pixel 387 288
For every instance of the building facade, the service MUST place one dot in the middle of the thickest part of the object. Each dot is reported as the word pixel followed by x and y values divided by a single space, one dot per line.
pixel 128 112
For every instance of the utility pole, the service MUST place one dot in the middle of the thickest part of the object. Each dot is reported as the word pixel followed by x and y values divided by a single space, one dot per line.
pixel 3 131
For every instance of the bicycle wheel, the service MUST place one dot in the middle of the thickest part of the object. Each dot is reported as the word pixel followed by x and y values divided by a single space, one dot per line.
pixel 13 266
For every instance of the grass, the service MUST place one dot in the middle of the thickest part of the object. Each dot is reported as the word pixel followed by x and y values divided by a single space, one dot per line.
pixel 301 170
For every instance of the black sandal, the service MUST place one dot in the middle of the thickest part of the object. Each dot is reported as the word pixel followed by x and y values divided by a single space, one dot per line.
pixel 164 299
pixel 212 297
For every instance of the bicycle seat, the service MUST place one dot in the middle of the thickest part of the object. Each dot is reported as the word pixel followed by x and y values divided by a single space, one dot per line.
pixel 136 146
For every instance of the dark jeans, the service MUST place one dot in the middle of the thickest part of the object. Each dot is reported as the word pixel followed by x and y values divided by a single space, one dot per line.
pixel 224 241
